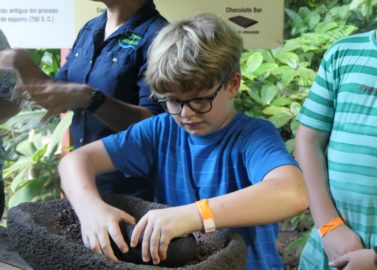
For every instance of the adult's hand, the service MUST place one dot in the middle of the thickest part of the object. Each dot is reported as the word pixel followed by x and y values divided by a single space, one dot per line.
pixel 58 97
pixel 30 74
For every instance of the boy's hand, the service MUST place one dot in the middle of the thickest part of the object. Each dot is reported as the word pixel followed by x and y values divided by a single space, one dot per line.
pixel 161 226
pixel 362 259
pixel 341 241
pixel 101 222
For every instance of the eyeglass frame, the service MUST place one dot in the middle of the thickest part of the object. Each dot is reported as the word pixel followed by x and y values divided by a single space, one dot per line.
pixel 210 99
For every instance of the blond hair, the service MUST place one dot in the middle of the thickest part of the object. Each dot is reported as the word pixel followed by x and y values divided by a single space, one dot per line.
pixel 192 55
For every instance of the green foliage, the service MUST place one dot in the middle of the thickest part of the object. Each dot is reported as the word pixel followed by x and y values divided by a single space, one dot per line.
pixel 363 14
pixel 47 59
pixel 276 82
pixel 30 169
pixel 33 174
pixel 295 4
pixel 302 224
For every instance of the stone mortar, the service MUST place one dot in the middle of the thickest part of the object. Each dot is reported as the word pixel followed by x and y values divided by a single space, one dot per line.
pixel 32 229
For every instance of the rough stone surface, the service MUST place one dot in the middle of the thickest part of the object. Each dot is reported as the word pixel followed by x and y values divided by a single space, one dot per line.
pixel 37 232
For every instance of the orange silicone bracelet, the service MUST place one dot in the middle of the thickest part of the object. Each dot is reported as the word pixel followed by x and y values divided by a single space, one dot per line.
pixel 331 225
pixel 207 215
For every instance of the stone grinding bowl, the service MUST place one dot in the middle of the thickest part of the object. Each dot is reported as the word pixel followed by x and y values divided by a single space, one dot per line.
pixel 47 235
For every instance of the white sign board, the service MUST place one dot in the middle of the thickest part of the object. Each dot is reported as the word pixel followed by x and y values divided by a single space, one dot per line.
pixel 260 22
pixel 55 23
pixel 86 10
pixel 38 23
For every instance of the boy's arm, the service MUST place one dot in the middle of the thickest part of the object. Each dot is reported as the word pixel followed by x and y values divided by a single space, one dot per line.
pixel 310 151
pixel 280 195
pixel 98 220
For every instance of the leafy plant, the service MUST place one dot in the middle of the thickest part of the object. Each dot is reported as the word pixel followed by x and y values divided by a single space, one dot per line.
pixel 299 226
pixel 47 59
pixel 30 167
pixel 363 14
pixel 33 176
pixel 276 82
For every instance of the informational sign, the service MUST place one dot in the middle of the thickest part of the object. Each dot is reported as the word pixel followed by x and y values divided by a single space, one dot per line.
pixel 86 10
pixel 38 23
pixel 260 22
pixel 55 23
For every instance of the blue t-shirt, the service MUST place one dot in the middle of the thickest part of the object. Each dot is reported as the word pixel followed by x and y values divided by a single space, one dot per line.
pixel 115 67
pixel 185 168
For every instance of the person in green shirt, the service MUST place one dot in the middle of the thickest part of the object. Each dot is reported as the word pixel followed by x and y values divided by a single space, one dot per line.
pixel 336 146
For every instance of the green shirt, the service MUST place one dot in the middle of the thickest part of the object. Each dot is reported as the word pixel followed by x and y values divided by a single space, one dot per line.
pixel 343 102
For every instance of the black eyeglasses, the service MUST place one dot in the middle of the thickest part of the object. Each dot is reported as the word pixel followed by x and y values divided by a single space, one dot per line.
pixel 198 105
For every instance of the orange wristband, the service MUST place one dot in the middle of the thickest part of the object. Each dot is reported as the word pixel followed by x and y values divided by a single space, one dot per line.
pixel 331 225
pixel 207 216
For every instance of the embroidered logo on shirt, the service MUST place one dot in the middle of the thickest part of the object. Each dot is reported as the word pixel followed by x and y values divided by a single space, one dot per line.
pixel 129 40
pixel 368 90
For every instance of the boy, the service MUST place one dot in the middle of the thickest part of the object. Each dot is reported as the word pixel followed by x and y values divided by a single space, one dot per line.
pixel 201 148
pixel 336 148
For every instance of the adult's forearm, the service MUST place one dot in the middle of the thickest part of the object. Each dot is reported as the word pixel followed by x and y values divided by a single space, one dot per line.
pixel 118 115
pixel 29 71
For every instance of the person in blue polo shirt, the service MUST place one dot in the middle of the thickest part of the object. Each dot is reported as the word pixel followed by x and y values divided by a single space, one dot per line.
pixel 108 59
pixel 110 55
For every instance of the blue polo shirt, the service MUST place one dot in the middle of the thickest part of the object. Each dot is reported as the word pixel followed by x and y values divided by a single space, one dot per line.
pixel 115 67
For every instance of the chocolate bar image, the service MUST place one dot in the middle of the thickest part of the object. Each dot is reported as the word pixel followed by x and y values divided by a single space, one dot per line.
pixel 243 21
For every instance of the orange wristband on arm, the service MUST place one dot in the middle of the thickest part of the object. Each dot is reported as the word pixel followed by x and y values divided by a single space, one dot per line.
pixel 331 225
pixel 207 216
